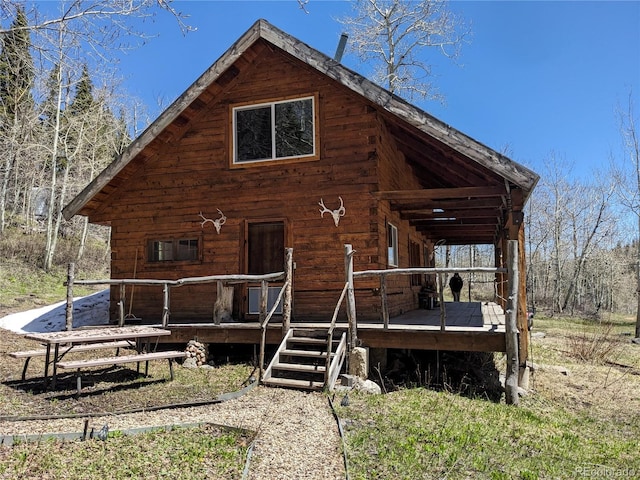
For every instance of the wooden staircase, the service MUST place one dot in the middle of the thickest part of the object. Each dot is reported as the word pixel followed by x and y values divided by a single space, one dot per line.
pixel 305 361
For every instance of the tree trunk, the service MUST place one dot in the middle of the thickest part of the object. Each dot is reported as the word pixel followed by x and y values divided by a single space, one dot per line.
pixel 638 276
pixel 585 249
pixel 5 189
pixel 51 234
pixel 83 239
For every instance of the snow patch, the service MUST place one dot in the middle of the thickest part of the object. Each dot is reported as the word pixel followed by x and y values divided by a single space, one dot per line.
pixel 90 310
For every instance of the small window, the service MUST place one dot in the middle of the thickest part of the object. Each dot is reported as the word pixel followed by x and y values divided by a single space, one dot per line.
pixel 173 250
pixel 274 131
pixel 392 245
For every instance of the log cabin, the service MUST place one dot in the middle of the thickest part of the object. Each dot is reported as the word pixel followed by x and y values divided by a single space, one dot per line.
pixel 279 146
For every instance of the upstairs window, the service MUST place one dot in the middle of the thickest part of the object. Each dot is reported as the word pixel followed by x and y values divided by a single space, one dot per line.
pixel 274 131
pixel 173 250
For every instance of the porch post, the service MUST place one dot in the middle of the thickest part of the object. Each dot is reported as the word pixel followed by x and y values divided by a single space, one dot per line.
pixel 384 301
pixel 287 300
pixel 69 309
pixel 123 289
pixel 165 307
pixel 351 297
pixel 511 326
pixel 264 299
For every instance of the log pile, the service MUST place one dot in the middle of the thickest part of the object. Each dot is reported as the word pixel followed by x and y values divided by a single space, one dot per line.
pixel 198 352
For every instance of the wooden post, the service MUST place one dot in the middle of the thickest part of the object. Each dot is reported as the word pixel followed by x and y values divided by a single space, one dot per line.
pixel 165 307
pixel 223 306
pixel 511 340
pixel 287 298
pixel 384 300
pixel 523 319
pixel 443 312
pixel 121 304
pixel 121 313
pixel 69 310
pixel 263 341
pixel 351 297
pixel 264 297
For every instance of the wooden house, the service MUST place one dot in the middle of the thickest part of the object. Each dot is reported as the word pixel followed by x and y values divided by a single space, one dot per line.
pixel 277 145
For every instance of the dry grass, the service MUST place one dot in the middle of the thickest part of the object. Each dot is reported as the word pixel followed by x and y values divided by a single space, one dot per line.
pixel 595 344
pixel 603 366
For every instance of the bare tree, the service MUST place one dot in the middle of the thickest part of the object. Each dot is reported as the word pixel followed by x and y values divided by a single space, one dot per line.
pixel 17 113
pixel 108 12
pixel 66 36
pixel 392 35
pixel 588 220
pixel 627 174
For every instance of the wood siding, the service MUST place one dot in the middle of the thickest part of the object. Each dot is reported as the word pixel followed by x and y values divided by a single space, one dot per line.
pixel 192 174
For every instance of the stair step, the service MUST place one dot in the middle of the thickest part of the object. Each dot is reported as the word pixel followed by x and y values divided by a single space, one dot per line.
pixel 297 367
pixel 312 332
pixel 305 353
pixel 289 382
pixel 308 340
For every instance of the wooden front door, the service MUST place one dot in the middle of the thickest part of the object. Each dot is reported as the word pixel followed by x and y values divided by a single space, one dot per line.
pixel 265 254
pixel 265 248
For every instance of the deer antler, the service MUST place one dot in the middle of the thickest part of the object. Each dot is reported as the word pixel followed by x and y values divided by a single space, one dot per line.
pixel 336 214
pixel 217 223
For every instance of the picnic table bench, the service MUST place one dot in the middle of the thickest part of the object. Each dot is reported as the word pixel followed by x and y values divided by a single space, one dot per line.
pixel 169 355
pixel 95 339
pixel 64 349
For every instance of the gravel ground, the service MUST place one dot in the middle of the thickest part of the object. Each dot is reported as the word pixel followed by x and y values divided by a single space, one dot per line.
pixel 297 434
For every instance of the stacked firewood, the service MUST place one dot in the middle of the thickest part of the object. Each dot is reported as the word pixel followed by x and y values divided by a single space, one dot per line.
pixel 198 351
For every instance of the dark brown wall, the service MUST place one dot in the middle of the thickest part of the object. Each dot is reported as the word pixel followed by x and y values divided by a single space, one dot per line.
pixel 192 175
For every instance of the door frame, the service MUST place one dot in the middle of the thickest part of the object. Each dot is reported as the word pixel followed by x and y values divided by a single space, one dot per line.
pixel 244 260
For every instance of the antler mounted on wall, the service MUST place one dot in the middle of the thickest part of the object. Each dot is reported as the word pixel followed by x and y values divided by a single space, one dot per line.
pixel 218 222
pixel 336 214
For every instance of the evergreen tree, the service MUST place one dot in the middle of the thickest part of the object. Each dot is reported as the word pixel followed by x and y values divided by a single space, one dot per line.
pixel 50 105
pixel 16 114
pixel 16 68
pixel 83 99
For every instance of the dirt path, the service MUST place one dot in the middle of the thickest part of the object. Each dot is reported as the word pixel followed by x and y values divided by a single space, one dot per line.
pixel 297 434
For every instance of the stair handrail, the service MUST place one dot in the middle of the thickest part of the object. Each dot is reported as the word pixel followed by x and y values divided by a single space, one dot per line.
pixel 263 326
pixel 336 362
pixel 332 327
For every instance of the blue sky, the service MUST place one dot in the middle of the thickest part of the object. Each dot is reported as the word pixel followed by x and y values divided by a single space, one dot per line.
pixel 537 77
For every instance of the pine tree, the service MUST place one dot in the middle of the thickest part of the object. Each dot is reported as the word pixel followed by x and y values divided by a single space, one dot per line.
pixel 83 99
pixel 16 111
pixel 16 68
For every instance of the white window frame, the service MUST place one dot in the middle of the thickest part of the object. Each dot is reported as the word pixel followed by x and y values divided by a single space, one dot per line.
pixel 392 245
pixel 272 105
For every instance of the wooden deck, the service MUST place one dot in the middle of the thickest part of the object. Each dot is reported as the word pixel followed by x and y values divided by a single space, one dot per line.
pixel 471 326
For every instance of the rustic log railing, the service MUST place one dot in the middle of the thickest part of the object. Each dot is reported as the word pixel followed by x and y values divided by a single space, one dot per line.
pixel 334 367
pixel 167 285
pixel 511 311
pixel 383 274
pixel 332 327
pixel 265 321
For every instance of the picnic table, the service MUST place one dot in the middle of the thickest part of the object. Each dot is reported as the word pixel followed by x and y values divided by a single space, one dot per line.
pixel 83 339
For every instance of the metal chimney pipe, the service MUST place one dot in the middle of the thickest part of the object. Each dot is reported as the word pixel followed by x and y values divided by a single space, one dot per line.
pixel 340 50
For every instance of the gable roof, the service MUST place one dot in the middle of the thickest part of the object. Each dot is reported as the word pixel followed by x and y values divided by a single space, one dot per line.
pixel 413 128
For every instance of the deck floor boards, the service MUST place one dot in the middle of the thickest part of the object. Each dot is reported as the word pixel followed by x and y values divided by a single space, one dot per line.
pixel 470 326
